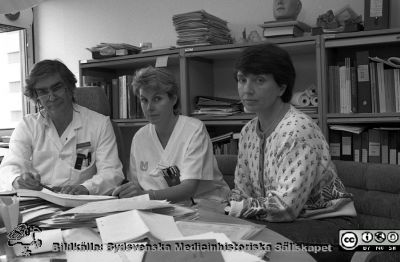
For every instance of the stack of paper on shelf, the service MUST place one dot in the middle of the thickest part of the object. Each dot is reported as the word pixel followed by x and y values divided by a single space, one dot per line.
pixel 217 106
pixel 284 28
pixel 201 28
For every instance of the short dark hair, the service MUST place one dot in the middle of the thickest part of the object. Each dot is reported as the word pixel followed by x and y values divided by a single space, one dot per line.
pixel 158 79
pixel 45 68
pixel 268 59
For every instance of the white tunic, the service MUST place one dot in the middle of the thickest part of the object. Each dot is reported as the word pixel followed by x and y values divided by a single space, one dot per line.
pixel 36 147
pixel 189 148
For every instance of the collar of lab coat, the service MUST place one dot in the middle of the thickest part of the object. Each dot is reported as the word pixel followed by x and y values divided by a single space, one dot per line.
pixel 76 117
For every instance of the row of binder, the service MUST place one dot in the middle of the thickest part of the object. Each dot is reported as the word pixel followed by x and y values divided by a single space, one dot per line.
pixel 375 145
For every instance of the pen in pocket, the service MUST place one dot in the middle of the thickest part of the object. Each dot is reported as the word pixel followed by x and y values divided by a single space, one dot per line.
pixel 89 158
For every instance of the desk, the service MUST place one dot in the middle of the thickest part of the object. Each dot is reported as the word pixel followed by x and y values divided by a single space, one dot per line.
pixel 208 212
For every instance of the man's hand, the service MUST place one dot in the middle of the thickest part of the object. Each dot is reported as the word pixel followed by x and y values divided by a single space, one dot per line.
pixel 27 181
pixel 128 190
pixel 74 190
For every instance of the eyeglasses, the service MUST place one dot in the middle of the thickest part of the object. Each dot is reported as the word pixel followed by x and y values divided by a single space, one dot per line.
pixel 54 90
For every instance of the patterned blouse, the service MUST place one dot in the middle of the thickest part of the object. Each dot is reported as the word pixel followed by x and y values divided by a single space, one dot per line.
pixel 287 174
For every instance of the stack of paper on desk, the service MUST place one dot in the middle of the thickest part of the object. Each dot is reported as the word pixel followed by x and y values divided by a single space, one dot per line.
pixel 37 213
pixel 100 208
pixel 64 200
pixel 136 225
pixel 232 231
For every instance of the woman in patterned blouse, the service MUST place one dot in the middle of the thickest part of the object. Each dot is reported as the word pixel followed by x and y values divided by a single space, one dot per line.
pixel 284 170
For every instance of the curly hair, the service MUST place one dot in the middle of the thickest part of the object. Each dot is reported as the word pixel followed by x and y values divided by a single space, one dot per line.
pixel 157 79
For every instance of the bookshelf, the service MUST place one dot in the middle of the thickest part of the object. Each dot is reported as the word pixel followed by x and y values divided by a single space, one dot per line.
pixel 363 94
pixel 206 71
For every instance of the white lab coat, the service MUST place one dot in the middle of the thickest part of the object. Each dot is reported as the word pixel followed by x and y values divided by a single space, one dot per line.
pixel 189 148
pixel 36 147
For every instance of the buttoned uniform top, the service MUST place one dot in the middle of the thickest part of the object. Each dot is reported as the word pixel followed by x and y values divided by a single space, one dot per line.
pixel 36 147
pixel 189 148
pixel 288 174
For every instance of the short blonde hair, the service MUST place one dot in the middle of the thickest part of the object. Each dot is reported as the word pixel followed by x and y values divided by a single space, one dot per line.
pixel 158 79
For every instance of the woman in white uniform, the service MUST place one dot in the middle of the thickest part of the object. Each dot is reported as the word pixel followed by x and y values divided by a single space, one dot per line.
pixel 171 157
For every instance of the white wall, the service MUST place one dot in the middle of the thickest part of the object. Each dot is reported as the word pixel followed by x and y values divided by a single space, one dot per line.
pixel 64 28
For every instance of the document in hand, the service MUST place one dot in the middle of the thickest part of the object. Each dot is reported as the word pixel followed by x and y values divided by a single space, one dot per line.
pixel 136 225
pixel 64 200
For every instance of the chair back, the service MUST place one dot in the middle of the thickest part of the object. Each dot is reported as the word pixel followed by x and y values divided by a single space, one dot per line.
pixel 95 99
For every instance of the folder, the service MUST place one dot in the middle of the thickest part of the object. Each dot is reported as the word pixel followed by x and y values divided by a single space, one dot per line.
pixel 334 144
pixel 347 151
pixel 374 146
pixel 364 103
pixel 357 147
pixel 392 147
pixel 384 146
pixel 364 147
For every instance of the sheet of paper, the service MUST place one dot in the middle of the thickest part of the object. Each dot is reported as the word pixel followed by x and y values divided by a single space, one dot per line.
pixel 161 227
pixel 122 227
pixel 62 199
pixel 39 212
pixel 117 205
pixel 232 231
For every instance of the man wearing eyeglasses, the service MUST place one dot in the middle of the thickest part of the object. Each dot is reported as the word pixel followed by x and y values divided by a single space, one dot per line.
pixel 64 147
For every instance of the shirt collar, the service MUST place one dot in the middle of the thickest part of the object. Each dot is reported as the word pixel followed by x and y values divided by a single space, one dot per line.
pixel 76 117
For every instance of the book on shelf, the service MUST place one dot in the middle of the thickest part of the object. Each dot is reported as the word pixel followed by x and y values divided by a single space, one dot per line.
pixel 65 200
pixel 284 28
pixel 135 225
pixel 335 144
pixel 357 147
pixel 374 146
pixel 392 142
pixel 291 30
pixel 384 146
pixel 363 82
pixel 347 146
pixel 303 26
pixel 364 147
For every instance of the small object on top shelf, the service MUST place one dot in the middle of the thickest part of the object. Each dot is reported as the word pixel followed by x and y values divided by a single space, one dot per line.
pixel 284 28
pixel 345 20
pixel 201 28
pixel 105 50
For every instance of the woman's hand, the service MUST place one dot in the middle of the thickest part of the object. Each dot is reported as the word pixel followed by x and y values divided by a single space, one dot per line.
pixel 129 189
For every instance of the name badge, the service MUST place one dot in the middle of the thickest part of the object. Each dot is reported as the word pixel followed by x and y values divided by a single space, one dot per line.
pixel 83 145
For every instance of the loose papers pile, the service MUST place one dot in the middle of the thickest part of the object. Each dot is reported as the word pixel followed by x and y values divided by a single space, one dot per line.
pixel 201 28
